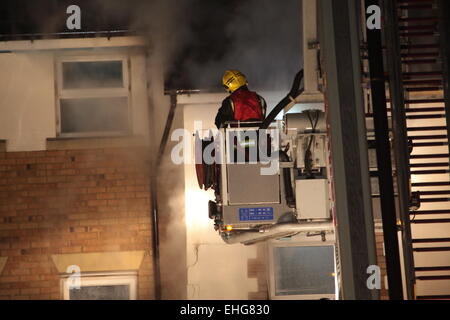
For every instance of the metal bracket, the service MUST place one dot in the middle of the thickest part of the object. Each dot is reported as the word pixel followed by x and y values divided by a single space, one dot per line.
pixel 314 44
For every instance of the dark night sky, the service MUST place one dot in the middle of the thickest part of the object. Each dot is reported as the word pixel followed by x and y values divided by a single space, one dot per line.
pixel 260 37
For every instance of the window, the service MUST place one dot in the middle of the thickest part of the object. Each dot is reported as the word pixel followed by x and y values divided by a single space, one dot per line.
pixel 302 271
pixel 93 96
pixel 106 286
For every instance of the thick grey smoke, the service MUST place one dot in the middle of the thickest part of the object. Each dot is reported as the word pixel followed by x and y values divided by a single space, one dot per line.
pixel 197 40
pixel 264 43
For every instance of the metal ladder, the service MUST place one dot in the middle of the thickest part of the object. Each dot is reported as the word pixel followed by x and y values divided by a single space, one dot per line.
pixel 427 115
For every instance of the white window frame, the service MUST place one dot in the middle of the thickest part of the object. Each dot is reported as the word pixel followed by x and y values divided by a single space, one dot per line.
pixel 102 279
pixel 271 276
pixel 62 93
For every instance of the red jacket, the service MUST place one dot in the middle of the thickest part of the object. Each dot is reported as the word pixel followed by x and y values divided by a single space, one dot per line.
pixel 246 105
pixel 241 105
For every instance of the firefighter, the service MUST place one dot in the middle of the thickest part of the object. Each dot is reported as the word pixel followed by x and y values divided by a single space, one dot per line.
pixel 242 104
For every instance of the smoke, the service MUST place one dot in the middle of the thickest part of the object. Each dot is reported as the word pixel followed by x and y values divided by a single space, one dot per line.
pixel 259 37
pixel 262 40
pixel 196 40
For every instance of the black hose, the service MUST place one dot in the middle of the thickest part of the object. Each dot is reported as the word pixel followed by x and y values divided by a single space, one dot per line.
pixel 294 93
pixel 167 128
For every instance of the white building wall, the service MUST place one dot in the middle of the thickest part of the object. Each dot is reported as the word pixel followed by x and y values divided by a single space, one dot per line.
pixel 27 100
pixel 27 87
pixel 216 270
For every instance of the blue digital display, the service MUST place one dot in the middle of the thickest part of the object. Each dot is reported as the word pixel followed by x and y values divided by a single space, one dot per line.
pixel 255 214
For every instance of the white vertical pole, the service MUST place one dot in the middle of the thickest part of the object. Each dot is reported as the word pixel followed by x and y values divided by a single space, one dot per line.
pixel 310 65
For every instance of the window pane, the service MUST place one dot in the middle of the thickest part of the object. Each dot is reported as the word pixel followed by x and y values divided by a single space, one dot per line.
pixel 94 115
pixel 116 292
pixel 304 270
pixel 94 74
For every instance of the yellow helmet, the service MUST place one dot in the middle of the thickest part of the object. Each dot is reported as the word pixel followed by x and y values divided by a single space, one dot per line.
pixel 233 80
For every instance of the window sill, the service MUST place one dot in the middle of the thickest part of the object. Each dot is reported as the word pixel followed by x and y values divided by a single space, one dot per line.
pixel 69 143
pixel 99 261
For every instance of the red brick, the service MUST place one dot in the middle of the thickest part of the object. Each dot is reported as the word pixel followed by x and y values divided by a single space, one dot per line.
pixel 40 244
pixel 86 235
pixel 96 190
pixel 71 249
pixel 52 166
pixel 95 203
pixel 33 277
pixel 105 170
pixel 49 290
pixel 55 153
pixel 37 180
pixel 19 272
pixel 7 161
pixel 106 195
pixel 6 279
pixel 30 291
pixel 9 292
pixel 79 216
pixel 59 205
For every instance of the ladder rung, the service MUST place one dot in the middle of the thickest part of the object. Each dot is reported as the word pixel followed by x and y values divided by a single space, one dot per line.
pixel 418 34
pixel 426 221
pixel 430 144
pixel 423 101
pixel 429 156
pixel 434 297
pixel 431 249
pixel 425 212
pixel 431 128
pixel 422 269
pixel 418 27
pixel 443 171
pixel 420 54
pixel 432 82
pixel 426 116
pixel 413 1
pixel 423 89
pixel 418 19
pixel 433 109
pixel 441 277
pixel 434 192
pixel 420 46
pixel 431 184
pixel 416 6
pixel 428 137
pixel 422 73
pixel 431 240
pixel 433 200
pixel 429 165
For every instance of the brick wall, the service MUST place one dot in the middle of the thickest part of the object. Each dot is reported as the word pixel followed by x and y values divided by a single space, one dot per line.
pixel 257 268
pixel 381 260
pixel 72 201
